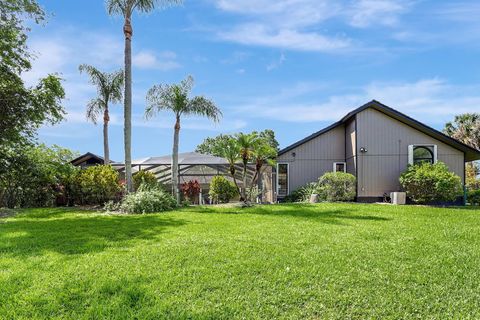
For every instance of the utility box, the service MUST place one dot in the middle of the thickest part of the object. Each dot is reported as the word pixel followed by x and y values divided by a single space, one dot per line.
pixel 398 197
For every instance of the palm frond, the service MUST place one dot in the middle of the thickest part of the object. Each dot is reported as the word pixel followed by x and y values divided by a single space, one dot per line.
pixel 160 97
pixel 96 77
pixel 202 106
pixel 94 108
pixel 146 6
pixel 116 7
pixel 116 80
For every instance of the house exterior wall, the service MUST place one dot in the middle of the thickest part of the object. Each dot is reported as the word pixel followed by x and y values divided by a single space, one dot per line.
pixel 387 140
pixel 351 146
pixel 315 157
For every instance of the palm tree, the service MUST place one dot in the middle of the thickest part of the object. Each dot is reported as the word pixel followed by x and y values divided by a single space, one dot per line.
pixel 109 88
pixel 247 143
pixel 229 149
pixel 126 8
pixel 175 98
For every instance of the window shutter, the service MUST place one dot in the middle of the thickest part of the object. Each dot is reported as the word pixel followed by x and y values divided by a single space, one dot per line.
pixel 410 154
pixel 435 158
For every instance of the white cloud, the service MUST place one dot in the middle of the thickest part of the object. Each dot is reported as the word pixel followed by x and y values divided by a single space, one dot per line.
pixel 240 71
pixel 259 34
pixel 364 13
pixel 429 100
pixel 164 61
pixel 276 63
pixel 298 24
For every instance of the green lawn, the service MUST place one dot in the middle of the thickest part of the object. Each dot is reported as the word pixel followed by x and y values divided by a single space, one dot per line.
pixel 280 261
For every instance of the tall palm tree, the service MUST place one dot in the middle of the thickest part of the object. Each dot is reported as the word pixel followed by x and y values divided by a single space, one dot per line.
pixel 175 98
pixel 126 8
pixel 109 89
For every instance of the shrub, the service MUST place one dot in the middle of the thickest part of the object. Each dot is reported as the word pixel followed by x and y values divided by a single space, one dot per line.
pixel 148 200
pixel 222 190
pixel 191 190
pixel 473 197
pixel 302 194
pixel 428 183
pixel 36 176
pixel 97 185
pixel 336 186
pixel 145 178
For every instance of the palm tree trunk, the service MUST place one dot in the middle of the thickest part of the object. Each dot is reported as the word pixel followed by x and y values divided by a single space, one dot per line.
pixel 106 149
pixel 176 137
pixel 232 173
pixel 244 190
pixel 127 30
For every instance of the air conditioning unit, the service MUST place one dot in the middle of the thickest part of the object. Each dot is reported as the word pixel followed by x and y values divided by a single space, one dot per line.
pixel 398 197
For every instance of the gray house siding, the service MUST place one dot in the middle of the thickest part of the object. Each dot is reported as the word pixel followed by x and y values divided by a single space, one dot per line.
pixel 315 157
pixel 387 141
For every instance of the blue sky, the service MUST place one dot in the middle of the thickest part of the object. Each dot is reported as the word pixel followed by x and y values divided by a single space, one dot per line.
pixel 293 66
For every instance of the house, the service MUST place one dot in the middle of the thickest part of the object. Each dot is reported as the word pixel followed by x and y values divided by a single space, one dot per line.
pixel 375 143
pixel 88 159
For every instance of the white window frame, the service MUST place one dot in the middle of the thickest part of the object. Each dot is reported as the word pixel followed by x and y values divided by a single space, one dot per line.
pixel 288 176
pixel 344 166
pixel 412 146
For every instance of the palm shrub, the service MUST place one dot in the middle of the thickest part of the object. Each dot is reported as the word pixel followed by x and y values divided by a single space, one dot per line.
pixel 222 190
pixel 337 186
pixel 97 185
pixel 143 177
pixel 428 183
pixel 148 199
pixel 303 194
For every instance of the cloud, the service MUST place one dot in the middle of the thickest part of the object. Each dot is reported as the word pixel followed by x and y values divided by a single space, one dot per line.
pixel 299 24
pixel 240 71
pixel 364 13
pixel 276 63
pixel 166 60
pixel 430 100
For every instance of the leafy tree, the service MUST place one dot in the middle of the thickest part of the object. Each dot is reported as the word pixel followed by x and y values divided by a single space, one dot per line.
pixel 466 128
pixel 98 184
pixel 211 145
pixel 175 98
pixel 109 90
pixel 126 8
pixel 22 109
pixel 36 176
pixel 14 54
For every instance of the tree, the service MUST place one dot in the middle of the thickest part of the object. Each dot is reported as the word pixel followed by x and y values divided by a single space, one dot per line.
pixel 175 98
pixel 109 90
pixel 14 54
pixel 125 8
pixel 211 145
pixel 23 110
pixel 246 149
pixel 466 128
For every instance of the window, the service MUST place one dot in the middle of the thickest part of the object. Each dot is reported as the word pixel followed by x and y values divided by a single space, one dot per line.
pixel 422 153
pixel 339 167
pixel 282 179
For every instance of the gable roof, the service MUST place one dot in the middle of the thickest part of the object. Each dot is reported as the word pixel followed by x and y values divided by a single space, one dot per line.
pixel 88 156
pixel 471 154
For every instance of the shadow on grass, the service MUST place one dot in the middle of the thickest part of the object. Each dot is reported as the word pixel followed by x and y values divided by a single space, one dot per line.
pixel 332 215
pixel 77 234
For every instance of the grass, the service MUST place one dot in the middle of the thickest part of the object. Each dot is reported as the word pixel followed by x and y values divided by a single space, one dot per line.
pixel 333 261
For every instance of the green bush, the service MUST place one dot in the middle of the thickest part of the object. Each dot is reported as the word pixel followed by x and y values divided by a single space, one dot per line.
pixel 148 200
pixel 428 183
pixel 336 186
pixel 473 197
pixel 303 194
pixel 222 190
pixel 37 176
pixel 145 178
pixel 97 185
